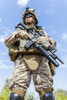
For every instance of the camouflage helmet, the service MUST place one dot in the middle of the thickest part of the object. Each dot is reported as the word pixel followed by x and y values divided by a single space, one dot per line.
pixel 30 11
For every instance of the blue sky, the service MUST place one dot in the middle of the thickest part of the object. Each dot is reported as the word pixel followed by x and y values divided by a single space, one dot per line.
pixel 52 16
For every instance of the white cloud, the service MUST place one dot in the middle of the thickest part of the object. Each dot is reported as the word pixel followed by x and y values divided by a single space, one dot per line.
pixel 62 48
pixel 4 66
pixel 4 33
pixel 0 20
pixel 50 12
pixel 1 39
pixel 64 36
pixel 2 61
pixel 22 2
pixel 3 53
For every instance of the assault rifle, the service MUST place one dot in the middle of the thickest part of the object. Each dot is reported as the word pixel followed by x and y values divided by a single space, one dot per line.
pixel 47 52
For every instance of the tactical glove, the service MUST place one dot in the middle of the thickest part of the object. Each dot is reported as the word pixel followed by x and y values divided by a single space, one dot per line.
pixel 44 41
pixel 23 34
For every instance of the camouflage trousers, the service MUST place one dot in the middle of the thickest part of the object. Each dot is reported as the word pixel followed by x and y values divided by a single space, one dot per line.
pixel 21 76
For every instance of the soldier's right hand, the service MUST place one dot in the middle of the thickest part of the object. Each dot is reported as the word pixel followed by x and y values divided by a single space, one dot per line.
pixel 42 39
pixel 23 34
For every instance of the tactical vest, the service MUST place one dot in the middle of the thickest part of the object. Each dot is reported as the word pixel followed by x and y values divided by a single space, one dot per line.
pixel 18 48
pixel 32 56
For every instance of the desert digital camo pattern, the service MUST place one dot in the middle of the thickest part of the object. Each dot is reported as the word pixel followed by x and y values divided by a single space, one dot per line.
pixel 22 75
pixel 42 71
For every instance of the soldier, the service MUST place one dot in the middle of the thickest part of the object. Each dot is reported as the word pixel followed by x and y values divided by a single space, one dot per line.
pixel 30 61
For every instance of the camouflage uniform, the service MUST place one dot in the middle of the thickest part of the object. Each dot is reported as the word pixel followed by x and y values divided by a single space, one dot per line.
pixel 29 62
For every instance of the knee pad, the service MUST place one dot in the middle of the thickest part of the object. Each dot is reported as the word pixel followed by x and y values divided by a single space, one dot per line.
pixel 48 96
pixel 15 96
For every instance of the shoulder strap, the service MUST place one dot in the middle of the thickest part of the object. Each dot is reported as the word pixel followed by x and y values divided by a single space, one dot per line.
pixel 39 27
pixel 19 26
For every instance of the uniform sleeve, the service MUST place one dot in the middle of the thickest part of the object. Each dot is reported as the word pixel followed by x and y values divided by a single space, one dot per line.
pixel 51 41
pixel 15 37
pixel 11 39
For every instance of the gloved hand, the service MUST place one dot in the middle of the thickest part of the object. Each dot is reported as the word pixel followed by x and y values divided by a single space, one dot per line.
pixel 42 39
pixel 23 34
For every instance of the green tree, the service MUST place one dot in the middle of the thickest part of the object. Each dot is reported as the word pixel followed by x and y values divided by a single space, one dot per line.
pixel 30 96
pixel 60 94
pixel 5 93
